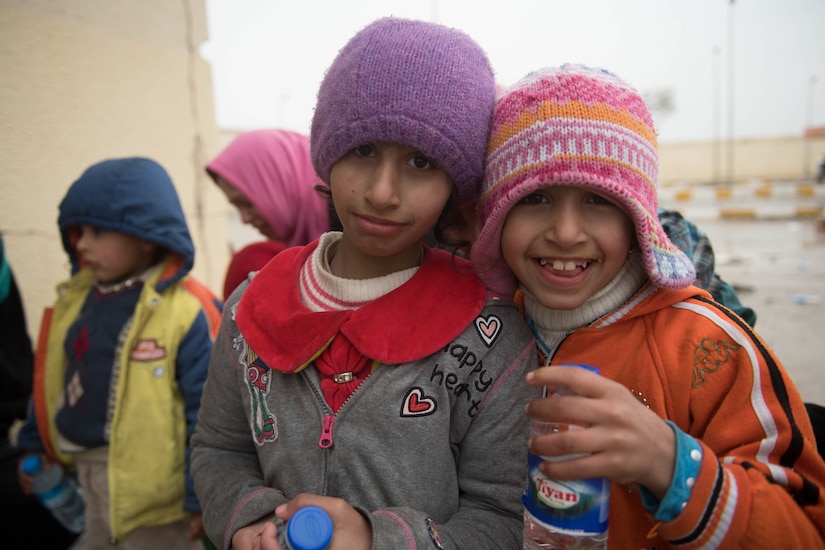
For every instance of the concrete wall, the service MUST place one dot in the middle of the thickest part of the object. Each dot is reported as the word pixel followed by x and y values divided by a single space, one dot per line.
pixel 783 158
pixel 85 80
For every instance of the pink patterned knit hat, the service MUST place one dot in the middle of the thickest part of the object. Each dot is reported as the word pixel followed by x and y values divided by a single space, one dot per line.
pixel 574 125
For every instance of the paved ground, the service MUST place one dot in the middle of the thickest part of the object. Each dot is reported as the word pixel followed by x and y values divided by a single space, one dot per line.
pixel 775 264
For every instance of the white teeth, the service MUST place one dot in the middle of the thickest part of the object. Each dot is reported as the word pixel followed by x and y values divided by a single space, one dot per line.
pixel 560 265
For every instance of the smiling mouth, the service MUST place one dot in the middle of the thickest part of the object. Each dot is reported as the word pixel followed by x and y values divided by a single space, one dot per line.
pixel 560 265
pixel 378 221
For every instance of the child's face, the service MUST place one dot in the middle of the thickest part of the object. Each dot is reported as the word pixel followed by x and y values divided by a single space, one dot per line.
pixel 565 244
pixel 387 196
pixel 113 256
pixel 249 214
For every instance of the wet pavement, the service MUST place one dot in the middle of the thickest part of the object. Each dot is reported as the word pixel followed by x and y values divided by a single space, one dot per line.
pixel 778 268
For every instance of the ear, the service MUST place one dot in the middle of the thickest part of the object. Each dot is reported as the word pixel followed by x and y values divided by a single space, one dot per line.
pixel 152 250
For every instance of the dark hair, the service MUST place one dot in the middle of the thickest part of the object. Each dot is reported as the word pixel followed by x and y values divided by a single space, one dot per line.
pixel 451 218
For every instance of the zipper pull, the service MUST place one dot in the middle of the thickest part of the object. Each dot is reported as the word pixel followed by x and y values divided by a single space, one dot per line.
pixel 326 433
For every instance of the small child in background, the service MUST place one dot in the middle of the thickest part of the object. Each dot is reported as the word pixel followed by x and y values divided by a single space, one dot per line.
pixel 694 419
pixel 367 373
pixel 122 359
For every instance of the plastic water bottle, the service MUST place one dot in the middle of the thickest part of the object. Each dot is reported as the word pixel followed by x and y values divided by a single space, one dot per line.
pixel 310 528
pixel 563 514
pixel 57 492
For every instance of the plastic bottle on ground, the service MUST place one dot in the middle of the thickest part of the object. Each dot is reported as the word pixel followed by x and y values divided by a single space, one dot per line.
pixel 563 514
pixel 310 528
pixel 57 492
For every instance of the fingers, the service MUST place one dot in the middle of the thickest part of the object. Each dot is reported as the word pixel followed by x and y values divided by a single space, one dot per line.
pixel 269 538
pixel 621 438
pixel 351 530
pixel 577 380
pixel 249 537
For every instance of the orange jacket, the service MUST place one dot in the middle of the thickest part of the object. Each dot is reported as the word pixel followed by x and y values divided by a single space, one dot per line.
pixel 696 363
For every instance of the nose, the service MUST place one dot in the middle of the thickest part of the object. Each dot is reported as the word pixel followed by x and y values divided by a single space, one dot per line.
pixel 248 214
pixel 382 189
pixel 82 242
pixel 566 226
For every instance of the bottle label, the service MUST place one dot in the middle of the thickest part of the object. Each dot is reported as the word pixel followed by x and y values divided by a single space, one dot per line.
pixel 576 507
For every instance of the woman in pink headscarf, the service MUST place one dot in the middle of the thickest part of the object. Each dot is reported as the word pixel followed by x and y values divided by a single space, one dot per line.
pixel 268 176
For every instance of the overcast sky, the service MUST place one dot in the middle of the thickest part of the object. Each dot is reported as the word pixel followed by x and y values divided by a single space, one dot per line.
pixel 268 56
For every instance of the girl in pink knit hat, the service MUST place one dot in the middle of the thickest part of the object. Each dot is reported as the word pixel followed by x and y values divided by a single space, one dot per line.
pixel 368 373
pixel 693 419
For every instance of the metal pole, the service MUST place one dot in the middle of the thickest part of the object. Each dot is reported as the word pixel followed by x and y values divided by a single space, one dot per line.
pixel 809 123
pixel 730 93
pixel 716 122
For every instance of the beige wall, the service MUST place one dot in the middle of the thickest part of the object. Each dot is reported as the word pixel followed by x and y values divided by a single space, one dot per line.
pixel 785 159
pixel 85 80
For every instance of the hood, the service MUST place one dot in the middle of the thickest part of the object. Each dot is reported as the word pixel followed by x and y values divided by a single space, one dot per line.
pixel 134 196
pixel 272 168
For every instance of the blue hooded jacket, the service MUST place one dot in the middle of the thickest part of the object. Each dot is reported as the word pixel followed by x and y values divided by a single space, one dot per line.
pixel 104 196
pixel 162 355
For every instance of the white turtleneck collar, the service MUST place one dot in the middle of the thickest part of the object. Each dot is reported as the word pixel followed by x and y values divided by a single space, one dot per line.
pixel 321 290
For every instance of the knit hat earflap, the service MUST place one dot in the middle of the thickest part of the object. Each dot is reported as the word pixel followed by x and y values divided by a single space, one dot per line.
pixel 415 83
pixel 574 125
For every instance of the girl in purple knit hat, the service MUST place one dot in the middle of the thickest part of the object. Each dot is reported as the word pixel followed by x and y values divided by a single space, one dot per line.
pixel 367 373
pixel 693 419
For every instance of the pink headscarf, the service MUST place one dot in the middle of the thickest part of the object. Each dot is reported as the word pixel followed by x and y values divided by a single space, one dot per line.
pixel 272 168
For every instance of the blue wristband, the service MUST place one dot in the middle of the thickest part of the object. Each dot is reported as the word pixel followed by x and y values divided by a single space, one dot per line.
pixel 688 462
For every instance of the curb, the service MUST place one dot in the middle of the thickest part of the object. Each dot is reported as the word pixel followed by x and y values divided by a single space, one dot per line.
pixel 749 201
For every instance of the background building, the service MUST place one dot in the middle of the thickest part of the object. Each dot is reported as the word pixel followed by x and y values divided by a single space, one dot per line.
pixel 86 80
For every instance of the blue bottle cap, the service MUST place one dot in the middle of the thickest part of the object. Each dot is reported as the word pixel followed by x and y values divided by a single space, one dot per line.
pixel 31 464
pixel 309 529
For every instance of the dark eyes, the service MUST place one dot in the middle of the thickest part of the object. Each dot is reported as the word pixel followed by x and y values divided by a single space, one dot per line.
pixel 421 162
pixel 598 199
pixel 416 159
pixel 544 197
pixel 364 150
pixel 534 198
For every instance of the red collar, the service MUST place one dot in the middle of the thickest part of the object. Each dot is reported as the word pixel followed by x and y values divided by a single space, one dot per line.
pixel 415 320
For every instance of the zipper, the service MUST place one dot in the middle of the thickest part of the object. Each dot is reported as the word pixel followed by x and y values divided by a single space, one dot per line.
pixel 326 432
pixel 325 442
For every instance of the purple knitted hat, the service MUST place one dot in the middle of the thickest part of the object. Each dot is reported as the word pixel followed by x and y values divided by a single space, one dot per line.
pixel 410 82
pixel 574 125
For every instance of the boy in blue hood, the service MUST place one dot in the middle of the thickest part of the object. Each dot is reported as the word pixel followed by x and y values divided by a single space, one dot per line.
pixel 122 358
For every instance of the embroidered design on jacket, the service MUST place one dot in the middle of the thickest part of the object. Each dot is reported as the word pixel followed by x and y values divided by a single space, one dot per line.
pixel 147 350
pixel 461 371
pixel 417 404
pixel 263 424
pixel 709 356
pixel 488 328
pixel 434 533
